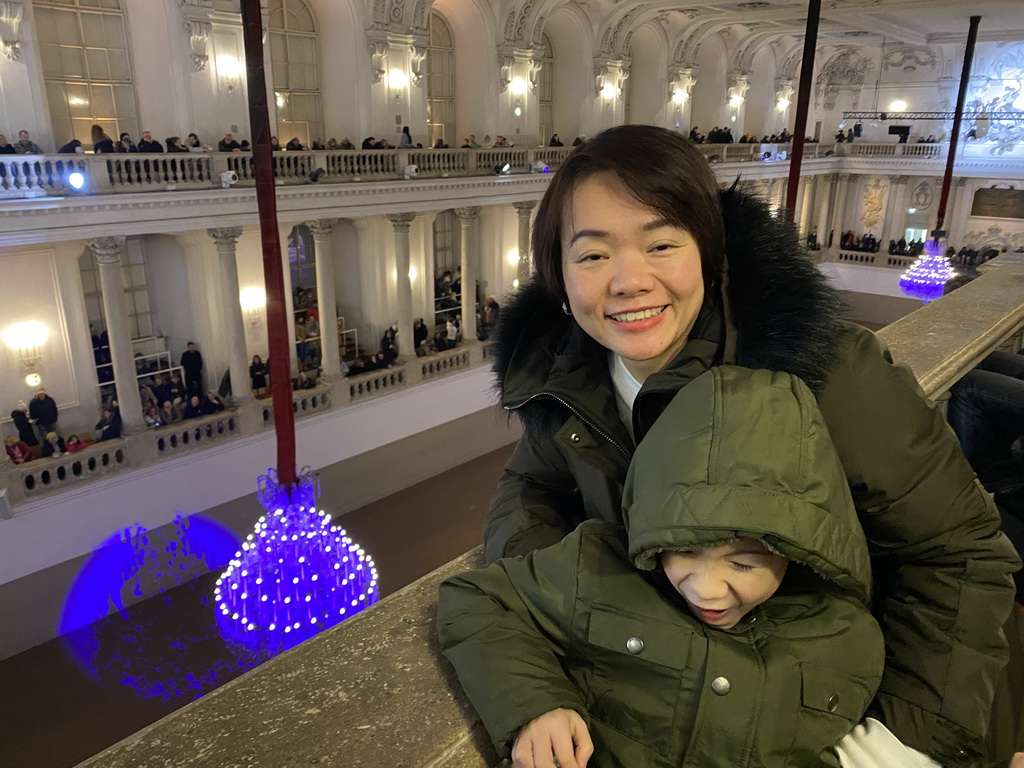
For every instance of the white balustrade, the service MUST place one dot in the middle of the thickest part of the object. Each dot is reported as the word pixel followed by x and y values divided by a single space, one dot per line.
pixel 46 476
pixel 37 175
pixel 364 386
pixel 196 434
pixel 440 364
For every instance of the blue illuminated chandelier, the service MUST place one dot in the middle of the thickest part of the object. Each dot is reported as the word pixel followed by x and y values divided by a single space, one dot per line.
pixel 927 276
pixel 295 575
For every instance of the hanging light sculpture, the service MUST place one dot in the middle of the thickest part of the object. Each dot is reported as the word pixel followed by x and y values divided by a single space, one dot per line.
pixel 928 275
pixel 295 575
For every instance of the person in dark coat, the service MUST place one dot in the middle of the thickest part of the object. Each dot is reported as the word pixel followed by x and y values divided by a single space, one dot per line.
pixel 72 147
pixel 26 434
pixel 53 446
pixel 43 411
pixel 101 143
pixel 6 148
pixel 109 426
pixel 192 363
pixel 148 145
pixel 942 567
pixel 258 376
pixel 194 407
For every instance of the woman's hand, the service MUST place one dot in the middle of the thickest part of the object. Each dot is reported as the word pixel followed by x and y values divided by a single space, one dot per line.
pixel 556 739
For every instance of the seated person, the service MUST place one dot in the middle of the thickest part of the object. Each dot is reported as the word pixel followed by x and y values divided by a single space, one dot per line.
pixel 294 145
pixel 18 450
pixel 193 408
pixel 108 427
pixel 152 417
pixel 306 380
pixel 228 144
pixel 740 567
pixel 169 413
pixel 175 389
pixel 212 403
pixel 54 446
pixel 74 443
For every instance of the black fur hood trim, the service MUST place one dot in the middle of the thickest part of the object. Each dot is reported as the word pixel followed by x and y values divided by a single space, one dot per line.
pixel 784 313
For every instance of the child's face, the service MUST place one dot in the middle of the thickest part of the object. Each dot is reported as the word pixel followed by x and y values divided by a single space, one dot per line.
pixel 723 584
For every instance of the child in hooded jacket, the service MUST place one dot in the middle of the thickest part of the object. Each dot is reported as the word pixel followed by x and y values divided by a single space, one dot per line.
pixel 727 624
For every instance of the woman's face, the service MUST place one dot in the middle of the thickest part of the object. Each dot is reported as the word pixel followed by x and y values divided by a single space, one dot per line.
pixel 633 280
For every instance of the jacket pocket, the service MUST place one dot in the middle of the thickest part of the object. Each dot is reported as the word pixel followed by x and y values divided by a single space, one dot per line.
pixel 831 704
pixel 641 678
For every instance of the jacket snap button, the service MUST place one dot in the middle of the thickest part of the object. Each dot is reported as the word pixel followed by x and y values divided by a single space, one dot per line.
pixel 574 438
pixel 833 702
pixel 721 685
pixel 634 645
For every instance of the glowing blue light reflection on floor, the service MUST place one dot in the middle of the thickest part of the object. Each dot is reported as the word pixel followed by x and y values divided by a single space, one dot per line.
pixel 126 647
pixel 294 576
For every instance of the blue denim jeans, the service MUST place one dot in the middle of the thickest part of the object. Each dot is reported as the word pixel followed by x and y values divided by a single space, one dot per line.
pixel 986 411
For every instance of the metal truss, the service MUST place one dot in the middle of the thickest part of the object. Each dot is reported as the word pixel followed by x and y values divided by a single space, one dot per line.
pixel 931 115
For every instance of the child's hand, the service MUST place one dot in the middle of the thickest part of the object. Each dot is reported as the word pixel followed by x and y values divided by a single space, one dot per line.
pixel 556 739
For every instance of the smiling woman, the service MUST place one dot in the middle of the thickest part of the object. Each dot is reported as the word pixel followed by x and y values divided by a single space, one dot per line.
pixel 621 319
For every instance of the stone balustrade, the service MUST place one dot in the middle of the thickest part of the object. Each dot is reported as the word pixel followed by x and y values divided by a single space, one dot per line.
pixel 878 259
pixel 375 690
pixel 892 149
pixel 36 479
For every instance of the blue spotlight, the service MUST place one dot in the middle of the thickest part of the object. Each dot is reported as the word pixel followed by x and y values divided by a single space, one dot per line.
pixel 76 180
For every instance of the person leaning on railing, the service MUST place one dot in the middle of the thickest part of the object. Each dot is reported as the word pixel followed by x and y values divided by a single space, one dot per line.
pixel 5 148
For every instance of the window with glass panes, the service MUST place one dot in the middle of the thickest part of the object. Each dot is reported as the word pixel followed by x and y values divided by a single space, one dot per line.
pixel 440 80
pixel 295 63
pixel 446 265
pixel 302 265
pixel 136 292
pixel 546 91
pixel 86 68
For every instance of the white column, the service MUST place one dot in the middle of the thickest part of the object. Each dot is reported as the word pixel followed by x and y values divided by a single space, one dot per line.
pixel 896 211
pixel 107 252
pixel 826 194
pixel 400 223
pixel 234 326
pixel 962 198
pixel 327 302
pixel 846 182
pixel 525 268
pixel 470 241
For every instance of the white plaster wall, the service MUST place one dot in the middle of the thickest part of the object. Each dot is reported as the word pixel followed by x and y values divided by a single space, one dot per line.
pixel 345 68
pixel 648 78
pixel 348 273
pixel 23 94
pixel 708 94
pixel 476 68
pixel 572 44
pixel 160 66
pixel 167 272
pixel 761 117
pixel 44 285
pixel 53 531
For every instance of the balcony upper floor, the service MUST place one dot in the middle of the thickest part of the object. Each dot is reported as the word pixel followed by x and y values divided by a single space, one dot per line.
pixel 135 194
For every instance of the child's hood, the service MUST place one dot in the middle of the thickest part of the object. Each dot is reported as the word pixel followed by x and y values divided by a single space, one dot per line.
pixel 745 453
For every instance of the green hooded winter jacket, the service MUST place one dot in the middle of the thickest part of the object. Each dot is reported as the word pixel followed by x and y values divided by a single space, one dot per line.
pixel 738 453
pixel 941 566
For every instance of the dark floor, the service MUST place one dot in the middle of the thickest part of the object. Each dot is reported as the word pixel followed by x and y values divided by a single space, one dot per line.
pixel 55 712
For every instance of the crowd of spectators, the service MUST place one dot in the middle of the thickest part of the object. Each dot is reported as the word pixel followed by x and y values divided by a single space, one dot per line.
pixel 865 243
pixel 724 136
pixel 902 247
pixel 38 431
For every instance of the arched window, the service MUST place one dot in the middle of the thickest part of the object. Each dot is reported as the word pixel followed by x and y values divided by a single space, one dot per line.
pixel 546 91
pixel 86 68
pixel 296 65
pixel 440 79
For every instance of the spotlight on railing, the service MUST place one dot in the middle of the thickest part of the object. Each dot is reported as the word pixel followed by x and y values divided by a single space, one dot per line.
pixel 502 169
pixel 410 171
pixel 227 178
pixel 316 175
pixel 76 181
pixel 766 156
pixel 540 167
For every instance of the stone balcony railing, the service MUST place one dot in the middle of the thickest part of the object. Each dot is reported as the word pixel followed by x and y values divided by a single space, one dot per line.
pixel 375 690
pixel 45 477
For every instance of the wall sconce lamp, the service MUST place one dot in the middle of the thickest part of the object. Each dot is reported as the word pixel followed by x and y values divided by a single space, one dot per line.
pixel 27 340
pixel 230 71
pixel 678 96
pixel 782 104
pixel 397 78
pixel 736 101
pixel 253 299
pixel 898 106
pixel 608 91
pixel 518 86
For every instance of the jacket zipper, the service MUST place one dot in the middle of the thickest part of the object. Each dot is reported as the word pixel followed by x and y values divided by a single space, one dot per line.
pixel 593 427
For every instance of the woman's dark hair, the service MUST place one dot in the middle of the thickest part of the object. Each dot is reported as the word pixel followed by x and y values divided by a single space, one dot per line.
pixel 662 169
pixel 405 130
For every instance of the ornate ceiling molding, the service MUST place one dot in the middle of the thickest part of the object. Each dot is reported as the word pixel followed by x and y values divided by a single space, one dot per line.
pixel 11 14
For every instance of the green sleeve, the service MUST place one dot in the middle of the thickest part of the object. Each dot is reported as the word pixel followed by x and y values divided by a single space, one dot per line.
pixel 536 503
pixel 505 628
pixel 942 567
